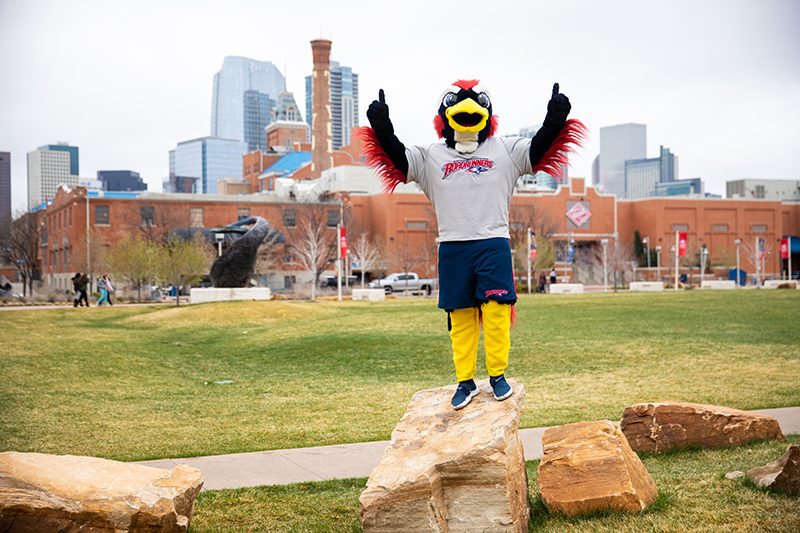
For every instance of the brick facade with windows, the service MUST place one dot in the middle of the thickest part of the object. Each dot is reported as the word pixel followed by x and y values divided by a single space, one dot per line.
pixel 405 224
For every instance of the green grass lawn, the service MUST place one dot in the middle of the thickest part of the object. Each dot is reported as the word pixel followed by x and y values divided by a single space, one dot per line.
pixel 137 382
pixel 694 497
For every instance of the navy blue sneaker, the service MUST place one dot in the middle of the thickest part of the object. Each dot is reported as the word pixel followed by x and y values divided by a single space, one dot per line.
pixel 500 387
pixel 464 393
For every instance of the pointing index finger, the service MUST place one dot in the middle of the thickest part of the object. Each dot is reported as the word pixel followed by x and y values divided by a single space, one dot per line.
pixel 381 96
pixel 555 90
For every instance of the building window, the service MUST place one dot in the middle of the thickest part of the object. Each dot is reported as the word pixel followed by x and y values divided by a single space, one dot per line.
pixel 289 217
pixel 196 217
pixel 680 227
pixel 416 224
pixel 333 218
pixel 242 213
pixel 148 215
pixel 760 192
pixel 719 228
pixel 101 215
pixel 760 228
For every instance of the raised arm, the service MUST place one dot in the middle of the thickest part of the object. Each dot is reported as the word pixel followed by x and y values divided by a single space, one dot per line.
pixel 382 149
pixel 557 136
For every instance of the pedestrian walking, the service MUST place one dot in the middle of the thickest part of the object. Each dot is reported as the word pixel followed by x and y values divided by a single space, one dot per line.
pixel 76 286
pixel 83 285
pixel 103 288
pixel 553 276
pixel 109 289
pixel 542 282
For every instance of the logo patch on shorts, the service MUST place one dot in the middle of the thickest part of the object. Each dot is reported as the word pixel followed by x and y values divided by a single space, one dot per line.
pixel 495 292
pixel 473 166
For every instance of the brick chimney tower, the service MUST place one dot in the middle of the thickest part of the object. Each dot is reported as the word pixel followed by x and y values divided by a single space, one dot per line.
pixel 321 146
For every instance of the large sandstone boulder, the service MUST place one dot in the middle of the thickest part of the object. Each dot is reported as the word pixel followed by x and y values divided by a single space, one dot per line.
pixel 589 466
pixel 66 493
pixel 451 471
pixel 658 427
pixel 781 475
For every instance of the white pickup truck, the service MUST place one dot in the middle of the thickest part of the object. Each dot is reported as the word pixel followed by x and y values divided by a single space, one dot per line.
pixel 404 281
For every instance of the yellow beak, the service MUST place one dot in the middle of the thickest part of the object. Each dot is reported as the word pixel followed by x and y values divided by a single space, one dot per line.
pixel 467 106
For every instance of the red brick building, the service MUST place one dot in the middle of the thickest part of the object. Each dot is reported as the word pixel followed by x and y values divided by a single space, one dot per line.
pixel 404 224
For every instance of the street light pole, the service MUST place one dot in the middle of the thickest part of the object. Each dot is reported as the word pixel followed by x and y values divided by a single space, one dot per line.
pixel 738 272
pixel 658 261
pixel 605 264
pixel 703 259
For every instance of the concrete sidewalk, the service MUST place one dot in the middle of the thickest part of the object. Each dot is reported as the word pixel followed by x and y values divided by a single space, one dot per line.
pixel 295 465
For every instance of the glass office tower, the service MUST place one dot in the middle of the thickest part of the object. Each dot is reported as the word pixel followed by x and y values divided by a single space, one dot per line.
pixel 344 103
pixel 243 94
pixel 207 160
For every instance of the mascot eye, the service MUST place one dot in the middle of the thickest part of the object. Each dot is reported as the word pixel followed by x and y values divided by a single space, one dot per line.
pixel 483 100
pixel 449 99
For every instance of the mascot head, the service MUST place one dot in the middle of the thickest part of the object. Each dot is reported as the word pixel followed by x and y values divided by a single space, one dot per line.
pixel 465 116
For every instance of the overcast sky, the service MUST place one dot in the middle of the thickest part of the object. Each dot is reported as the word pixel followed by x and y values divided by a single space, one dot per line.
pixel 718 82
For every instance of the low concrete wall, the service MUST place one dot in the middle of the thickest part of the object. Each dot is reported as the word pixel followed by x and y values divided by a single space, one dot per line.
pixel 566 288
pixel 718 284
pixel 199 296
pixel 775 283
pixel 372 295
pixel 647 286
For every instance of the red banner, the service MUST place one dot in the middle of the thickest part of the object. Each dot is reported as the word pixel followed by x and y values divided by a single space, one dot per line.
pixel 784 248
pixel 682 242
pixel 342 241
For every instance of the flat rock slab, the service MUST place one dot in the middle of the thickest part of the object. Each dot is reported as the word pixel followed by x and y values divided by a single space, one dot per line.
pixel 658 427
pixel 451 471
pixel 66 493
pixel 588 467
pixel 782 475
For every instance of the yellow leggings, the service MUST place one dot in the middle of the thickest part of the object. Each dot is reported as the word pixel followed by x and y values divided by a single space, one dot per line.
pixel 464 334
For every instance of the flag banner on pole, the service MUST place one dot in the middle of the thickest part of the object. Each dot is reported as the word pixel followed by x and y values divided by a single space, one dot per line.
pixel 342 241
pixel 762 248
pixel 682 242
pixel 533 251
pixel 784 248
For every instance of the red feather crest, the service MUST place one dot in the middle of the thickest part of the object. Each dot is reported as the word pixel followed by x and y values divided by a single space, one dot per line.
pixel 572 135
pixel 466 84
pixel 377 159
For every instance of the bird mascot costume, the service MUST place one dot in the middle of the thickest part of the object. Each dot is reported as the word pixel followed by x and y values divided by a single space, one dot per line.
pixel 469 178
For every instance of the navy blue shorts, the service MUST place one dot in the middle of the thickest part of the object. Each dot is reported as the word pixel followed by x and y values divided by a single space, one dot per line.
pixel 473 272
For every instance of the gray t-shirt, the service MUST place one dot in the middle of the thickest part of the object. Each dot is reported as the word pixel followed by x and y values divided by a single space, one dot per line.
pixel 470 192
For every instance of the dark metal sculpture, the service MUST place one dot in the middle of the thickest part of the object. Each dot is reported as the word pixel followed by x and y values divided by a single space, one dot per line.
pixel 235 267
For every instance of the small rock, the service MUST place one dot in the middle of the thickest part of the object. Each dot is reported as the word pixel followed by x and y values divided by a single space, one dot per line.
pixel 41 492
pixel 781 475
pixel 658 427
pixel 736 474
pixel 589 466
pixel 451 471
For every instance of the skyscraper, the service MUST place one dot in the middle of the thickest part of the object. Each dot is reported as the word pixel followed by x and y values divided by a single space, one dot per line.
pixel 49 166
pixel 121 180
pixel 344 103
pixel 642 175
pixel 5 197
pixel 207 160
pixel 618 144
pixel 242 98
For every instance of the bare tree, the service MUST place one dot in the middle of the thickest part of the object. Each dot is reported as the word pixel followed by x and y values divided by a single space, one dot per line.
pixel 180 263
pixel 156 223
pixel 619 261
pixel 366 252
pixel 313 245
pixel 135 260
pixel 23 249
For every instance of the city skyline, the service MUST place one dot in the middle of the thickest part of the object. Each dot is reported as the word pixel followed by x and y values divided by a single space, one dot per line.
pixel 715 82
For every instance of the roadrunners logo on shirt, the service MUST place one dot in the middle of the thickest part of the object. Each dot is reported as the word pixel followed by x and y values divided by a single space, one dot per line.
pixel 473 166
